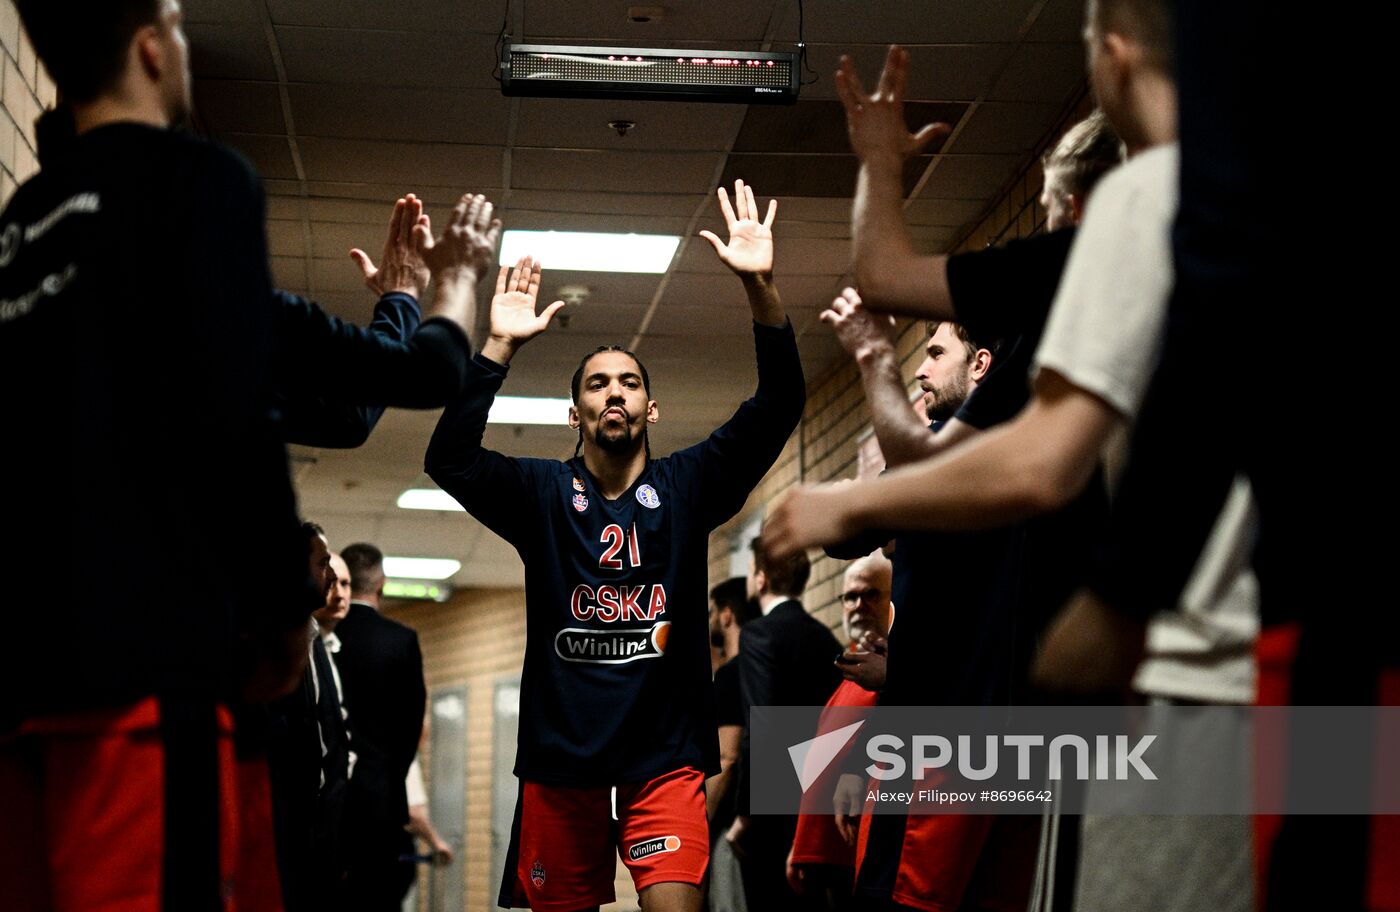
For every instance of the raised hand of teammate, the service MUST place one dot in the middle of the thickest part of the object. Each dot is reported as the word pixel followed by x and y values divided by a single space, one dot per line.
pixel 513 318
pixel 467 245
pixel 401 267
pixel 862 334
pixel 875 122
pixel 750 248
pixel 458 257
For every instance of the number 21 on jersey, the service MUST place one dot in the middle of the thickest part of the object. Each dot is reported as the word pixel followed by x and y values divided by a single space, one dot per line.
pixel 614 538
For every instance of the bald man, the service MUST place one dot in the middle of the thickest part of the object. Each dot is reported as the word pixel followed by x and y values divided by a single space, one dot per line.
pixel 821 864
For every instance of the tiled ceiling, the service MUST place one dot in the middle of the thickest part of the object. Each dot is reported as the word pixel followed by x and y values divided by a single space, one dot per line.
pixel 344 106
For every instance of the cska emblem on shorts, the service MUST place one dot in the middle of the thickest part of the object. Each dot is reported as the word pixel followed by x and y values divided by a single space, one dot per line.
pixel 578 485
pixel 580 502
pixel 537 873
pixel 646 496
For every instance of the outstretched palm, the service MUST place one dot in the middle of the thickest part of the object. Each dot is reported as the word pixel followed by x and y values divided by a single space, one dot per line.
pixel 750 247
pixel 513 318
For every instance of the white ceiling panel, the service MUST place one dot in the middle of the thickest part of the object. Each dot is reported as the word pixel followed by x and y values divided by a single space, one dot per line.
pixel 581 123
pixel 614 172
pixel 1060 20
pixel 286 239
pixel 943 212
pixel 219 12
pixel 270 154
pixel 410 15
pixel 1041 72
pixel 230 50
pixel 608 223
pixel 408 164
pixel 594 20
pixel 425 59
pixel 942 72
pixel 472 116
pixel 971 177
pixel 623 202
pixel 438 200
pixel 918 22
pixel 1005 127
pixel 229 106
pixel 289 272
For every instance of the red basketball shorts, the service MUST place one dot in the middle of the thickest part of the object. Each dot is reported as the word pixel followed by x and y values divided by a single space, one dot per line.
pixel 566 840
pixel 139 808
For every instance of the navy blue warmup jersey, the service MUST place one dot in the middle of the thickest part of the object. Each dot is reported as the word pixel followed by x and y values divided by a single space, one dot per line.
pixel 616 685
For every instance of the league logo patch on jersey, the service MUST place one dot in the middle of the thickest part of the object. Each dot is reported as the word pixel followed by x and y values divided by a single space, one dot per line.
pixel 646 496
pixel 537 873
pixel 580 502
pixel 578 485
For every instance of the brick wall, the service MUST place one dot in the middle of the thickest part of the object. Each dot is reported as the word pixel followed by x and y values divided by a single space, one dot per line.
pixel 473 639
pixel 25 90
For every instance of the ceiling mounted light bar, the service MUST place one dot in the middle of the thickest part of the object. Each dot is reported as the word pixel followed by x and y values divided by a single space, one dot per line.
pixel 562 71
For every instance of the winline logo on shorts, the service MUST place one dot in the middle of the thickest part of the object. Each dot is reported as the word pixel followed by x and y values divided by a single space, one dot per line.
pixel 648 847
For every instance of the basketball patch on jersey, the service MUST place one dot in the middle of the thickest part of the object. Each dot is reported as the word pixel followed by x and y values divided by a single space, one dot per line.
pixel 649 847
pixel 580 502
pixel 578 485
pixel 646 496
pixel 537 873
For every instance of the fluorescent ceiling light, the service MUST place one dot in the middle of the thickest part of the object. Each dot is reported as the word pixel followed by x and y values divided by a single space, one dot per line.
pixel 529 410
pixel 588 251
pixel 422 568
pixel 428 499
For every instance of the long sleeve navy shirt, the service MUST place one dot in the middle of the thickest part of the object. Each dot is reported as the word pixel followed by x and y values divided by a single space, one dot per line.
pixel 148 520
pixel 616 685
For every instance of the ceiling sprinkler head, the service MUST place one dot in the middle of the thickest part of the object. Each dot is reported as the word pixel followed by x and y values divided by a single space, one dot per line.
pixel 622 126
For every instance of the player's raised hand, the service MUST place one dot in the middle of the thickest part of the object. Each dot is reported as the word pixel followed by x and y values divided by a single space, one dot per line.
pixel 875 122
pixel 467 245
pixel 750 247
pixel 513 318
pixel 862 334
pixel 401 267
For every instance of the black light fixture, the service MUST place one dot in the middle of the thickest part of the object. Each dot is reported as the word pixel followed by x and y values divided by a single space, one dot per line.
pixel 676 74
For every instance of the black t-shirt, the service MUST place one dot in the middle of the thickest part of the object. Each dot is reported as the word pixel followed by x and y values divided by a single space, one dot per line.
pixel 1005 293
pixel 148 516
pixel 970 605
pixel 729 702
pixel 616 685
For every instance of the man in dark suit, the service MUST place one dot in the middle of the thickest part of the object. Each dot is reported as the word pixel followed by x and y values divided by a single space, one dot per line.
pixel 786 658
pixel 308 765
pixel 381 669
